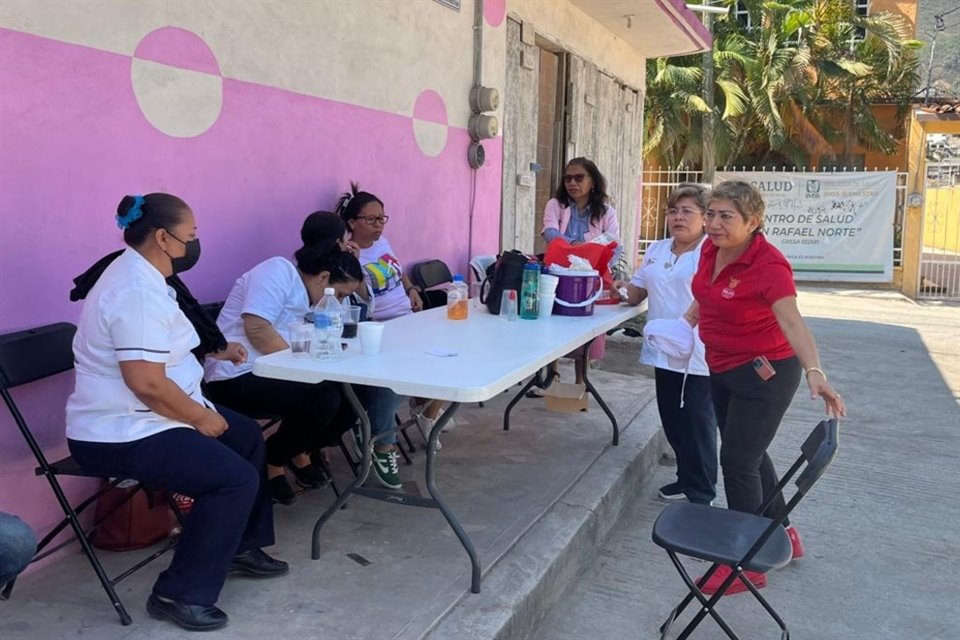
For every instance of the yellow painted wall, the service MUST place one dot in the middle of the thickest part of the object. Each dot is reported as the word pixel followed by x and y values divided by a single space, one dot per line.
pixel 941 213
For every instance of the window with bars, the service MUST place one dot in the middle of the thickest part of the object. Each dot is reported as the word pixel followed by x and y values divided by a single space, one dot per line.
pixel 742 15
pixel 862 9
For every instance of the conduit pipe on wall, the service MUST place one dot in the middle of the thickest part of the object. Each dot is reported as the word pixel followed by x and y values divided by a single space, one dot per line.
pixel 477 80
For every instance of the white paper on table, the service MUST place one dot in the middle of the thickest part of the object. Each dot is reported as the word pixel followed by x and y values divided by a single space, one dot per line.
pixel 440 352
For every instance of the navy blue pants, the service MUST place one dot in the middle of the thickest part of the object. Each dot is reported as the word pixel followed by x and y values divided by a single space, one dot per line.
pixel 749 410
pixel 225 476
pixel 691 432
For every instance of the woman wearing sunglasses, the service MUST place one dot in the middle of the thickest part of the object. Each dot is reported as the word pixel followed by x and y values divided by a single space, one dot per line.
pixel 579 212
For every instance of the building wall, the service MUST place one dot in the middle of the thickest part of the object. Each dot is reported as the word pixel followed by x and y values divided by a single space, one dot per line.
pixel 256 113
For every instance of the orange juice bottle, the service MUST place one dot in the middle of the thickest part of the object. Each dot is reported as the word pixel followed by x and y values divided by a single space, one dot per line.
pixel 458 304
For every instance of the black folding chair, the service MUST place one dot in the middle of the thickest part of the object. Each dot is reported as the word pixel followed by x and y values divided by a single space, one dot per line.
pixel 741 541
pixel 31 355
pixel 426 277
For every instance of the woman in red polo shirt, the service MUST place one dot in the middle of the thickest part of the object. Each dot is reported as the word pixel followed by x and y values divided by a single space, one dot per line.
pixel 757 346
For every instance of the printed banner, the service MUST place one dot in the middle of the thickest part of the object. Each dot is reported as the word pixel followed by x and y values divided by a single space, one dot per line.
pixel 831 226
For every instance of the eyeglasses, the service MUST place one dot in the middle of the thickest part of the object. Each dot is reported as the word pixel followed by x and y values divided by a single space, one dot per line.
pixel 575 177
pixel 682 212
pixel 373 221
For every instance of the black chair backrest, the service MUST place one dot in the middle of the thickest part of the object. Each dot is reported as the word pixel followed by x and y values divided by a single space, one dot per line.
pixel 429 274
pixel 32 354
pixel 818 449
pixel 213 309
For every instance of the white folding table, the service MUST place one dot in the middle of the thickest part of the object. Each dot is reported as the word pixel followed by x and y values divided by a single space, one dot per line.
pixel 492 354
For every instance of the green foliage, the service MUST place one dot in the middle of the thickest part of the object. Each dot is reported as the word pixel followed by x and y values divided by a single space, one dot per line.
pixel 800 79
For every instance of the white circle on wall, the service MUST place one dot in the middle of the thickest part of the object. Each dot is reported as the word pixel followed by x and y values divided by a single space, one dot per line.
pixel 430 123
pixel 177 83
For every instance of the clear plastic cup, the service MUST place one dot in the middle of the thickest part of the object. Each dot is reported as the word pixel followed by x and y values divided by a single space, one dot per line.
pixel 351 318
pixel 371 337
pixel 301 335
pixel 509 304
pixel 475 294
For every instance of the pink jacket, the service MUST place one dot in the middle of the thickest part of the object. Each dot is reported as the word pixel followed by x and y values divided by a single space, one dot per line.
pixel 557 217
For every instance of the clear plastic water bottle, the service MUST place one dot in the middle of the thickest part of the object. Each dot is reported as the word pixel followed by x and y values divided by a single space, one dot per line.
pixel 529 291
pixel 328 326
pixel 457 299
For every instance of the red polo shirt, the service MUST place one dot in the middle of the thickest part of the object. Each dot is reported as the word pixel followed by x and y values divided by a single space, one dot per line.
pixel 737 323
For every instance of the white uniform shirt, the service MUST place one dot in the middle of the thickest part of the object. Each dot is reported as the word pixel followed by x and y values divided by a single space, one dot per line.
pixel 384 277
pixel 129 314
pixel 667 279
pixel 272 290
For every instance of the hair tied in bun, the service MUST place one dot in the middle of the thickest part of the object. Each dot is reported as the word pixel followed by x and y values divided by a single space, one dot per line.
pixel 134 213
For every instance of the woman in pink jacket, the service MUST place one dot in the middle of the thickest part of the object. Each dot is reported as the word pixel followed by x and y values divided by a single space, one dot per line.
pixel 579 212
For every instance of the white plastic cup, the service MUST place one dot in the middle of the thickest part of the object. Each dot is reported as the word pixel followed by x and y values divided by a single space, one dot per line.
pixel 546 305
pixel 371 337
pixel 548 284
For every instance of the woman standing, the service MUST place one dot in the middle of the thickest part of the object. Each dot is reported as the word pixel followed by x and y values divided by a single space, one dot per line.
pixel 758 349
pixel 137 412
pixel 683 391
pixel 579 212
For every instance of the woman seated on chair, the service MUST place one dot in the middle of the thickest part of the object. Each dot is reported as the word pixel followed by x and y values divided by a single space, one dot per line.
pixel 380 403
pixel 579 212
pixel 137 412
pixel 262 305
pixel 392 294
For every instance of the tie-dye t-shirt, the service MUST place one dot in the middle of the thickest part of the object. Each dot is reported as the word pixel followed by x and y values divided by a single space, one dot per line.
pixel 383 272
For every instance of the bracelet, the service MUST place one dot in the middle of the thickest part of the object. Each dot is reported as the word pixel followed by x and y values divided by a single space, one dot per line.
pixel 815 370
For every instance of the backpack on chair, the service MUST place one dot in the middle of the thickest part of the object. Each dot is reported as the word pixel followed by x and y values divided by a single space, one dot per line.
pixel 505 273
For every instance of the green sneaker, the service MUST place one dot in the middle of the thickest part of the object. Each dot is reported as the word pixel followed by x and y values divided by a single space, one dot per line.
pixel 386 469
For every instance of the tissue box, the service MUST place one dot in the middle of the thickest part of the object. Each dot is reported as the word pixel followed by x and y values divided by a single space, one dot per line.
pixel 564 397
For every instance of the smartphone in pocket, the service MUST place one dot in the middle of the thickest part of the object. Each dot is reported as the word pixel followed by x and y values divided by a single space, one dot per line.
pixel 763 368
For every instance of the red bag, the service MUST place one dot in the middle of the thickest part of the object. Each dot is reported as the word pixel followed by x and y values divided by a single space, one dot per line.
pixel 142 518
pixel 559 251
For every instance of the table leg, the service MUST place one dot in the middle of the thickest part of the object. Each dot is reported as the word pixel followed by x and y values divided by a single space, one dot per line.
pixel 585 355
pixel 436 500
pixel 537 380
pixel 363 471
pixel 441 504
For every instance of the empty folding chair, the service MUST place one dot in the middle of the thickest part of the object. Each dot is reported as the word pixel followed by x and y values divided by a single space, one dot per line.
pixel 427 276
pixel 31 355
pixel 741 541
pixel 479 266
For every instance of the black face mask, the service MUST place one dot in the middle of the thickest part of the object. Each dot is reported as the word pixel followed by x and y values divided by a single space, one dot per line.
pixel 190 258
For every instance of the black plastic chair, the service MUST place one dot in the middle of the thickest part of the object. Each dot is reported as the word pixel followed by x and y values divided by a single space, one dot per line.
pixel 741 541
pixel 31 355
pixel 428 275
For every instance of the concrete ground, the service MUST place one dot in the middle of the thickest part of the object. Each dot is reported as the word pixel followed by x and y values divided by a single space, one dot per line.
pixel 562 520
pixel 880 528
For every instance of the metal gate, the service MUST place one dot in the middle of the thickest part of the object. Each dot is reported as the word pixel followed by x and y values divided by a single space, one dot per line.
pixel 940 255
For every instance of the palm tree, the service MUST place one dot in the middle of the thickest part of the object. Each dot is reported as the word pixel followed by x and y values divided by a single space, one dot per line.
pixel 801 78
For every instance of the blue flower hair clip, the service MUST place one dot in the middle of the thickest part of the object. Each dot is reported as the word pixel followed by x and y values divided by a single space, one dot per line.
pixel 134 213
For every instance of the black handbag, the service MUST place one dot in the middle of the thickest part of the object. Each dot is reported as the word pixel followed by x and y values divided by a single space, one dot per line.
pixel 505 273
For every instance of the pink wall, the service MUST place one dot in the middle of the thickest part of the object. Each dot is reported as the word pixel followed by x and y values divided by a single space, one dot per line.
pixel 74 140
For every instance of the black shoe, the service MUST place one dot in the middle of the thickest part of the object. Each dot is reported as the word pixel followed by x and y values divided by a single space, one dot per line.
pixel 309 477
pixel 672 491
pixel 192 617
pixel 281 491
pixel 257 564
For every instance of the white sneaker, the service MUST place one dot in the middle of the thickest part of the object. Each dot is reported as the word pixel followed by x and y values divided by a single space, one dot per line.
pixel 425 425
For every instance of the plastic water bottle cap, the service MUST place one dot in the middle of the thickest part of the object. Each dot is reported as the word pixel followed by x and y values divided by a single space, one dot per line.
pixel 329 291
pixel 458 278
pixel 531 266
